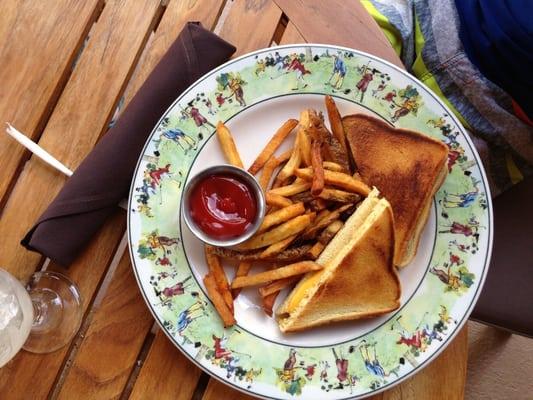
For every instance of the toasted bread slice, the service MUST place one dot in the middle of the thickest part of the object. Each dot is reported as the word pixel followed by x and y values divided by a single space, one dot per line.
pixel 359 279
pixel 407 167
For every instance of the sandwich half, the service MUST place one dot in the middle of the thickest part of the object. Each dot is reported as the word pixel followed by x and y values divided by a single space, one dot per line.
pixel 407 168
pixel 359 279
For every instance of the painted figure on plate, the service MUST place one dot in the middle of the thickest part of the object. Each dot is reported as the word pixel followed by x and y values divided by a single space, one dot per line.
pixel 372 363
pixel 339 71
pixel 233 83
pixel 462 200
pixel 179 137
pixel 289 379
pixel 454 274
pixel 193 312
pixel 410 101
pixel 367 75
pixel 299 68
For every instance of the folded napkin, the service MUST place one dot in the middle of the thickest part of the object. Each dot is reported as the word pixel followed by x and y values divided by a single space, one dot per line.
pixel 91 195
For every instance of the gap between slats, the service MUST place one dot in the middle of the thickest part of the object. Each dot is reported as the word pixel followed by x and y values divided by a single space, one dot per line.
pixel 87 319
pixel 143 353
pixel 52 101
pixel 99 280
pixel 101 291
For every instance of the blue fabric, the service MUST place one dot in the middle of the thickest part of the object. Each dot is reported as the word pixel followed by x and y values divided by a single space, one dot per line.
pixel 498 38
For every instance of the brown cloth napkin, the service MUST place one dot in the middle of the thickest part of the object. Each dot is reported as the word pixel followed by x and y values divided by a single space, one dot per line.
pixel 91 195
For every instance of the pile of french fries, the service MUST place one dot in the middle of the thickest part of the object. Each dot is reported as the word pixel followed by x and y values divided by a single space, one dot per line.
pixel 309 190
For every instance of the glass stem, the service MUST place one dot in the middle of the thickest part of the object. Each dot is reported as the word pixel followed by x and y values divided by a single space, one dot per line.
pixel 37 312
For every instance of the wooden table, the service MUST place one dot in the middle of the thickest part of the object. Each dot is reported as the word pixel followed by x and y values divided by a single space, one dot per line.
pixel 66 106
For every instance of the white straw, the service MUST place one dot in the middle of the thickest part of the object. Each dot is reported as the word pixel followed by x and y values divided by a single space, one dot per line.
pixel 45 156
pixel 37 150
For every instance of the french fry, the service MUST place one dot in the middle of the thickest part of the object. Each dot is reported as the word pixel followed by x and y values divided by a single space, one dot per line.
pixel 331 230
pixel 278 182
pixel 318 169
pixel 242 270
pixel 335 153
pixel 276 200
pixel 272 145
pixel 280 232
pixel 298 268
pixel 305 119
pixel 321 215
pixel 227 145
pixel 313 230
pixel 283 157
pixel 278 285
pixel 293 163
pixel 268 170
pixel 304 197
pixel 292 189
pixel 331 148
pixel 339 179
pixel 281 215
pixel 218 301
pixel 316 130
pixel 339 196
pixel 305 147
pixel 332 166
pixel 271 165
pixel 218 274
pixel 315 251
pixel 267 303
pixel 335 122
pixel 277 248
pixel 292 254
pixel 318 204
pixel 292 180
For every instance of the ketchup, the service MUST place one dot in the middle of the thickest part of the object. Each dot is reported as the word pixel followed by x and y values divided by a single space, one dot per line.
pixel 223 206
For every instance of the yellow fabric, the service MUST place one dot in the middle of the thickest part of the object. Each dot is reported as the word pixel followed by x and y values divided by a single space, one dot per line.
pixel 514 173
pixel 388 29
pixel 419 68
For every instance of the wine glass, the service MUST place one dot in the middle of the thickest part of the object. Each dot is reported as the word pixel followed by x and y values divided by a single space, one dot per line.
pixel 41 317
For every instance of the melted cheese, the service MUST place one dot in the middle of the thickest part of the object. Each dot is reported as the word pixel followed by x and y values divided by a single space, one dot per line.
pixel 301 290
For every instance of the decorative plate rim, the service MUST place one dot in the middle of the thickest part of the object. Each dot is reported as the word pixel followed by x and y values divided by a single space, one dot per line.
pixel 490 218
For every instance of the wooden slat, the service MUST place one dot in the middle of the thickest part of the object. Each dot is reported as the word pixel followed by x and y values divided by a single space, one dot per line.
pixel 217 390
pixel 176 15
pixel 36 54
pixel 111 344
pixel 260 35
pixel 166 372
pixel 163 358
pixel 114 46
pixel 251 25
pixel 77 121
pixel 443 379
pixel 291 35
pixel 340 22
pixel 448 371
pixel 31 376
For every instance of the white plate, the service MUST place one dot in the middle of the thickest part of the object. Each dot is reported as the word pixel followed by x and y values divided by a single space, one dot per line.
pixel 351 359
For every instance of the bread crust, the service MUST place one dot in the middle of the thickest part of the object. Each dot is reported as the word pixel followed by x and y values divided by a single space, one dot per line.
pixel 406 166
pixel 363 283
